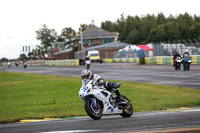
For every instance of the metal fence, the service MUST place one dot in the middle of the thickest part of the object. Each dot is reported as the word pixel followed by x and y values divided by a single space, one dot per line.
pixel 170 49
pixel 159 50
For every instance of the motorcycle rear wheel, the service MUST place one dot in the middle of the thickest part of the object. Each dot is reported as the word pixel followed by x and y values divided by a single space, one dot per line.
pixel 94 113
pixel 127 112
pixel 175 67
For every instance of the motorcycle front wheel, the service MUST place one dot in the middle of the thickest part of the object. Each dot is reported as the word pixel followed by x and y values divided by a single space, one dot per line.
pixel 94 112
pixel 128 111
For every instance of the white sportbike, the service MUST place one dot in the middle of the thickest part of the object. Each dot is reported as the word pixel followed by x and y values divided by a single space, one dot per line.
pixel 98 101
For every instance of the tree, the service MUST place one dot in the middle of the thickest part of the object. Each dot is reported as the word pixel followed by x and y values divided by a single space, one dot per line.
pixel 30 54
pixel 23 56
pixel 4 59
pixel 109 26
pixel 163 32
pixel 67 35
pixel 147 24
pixel 84 27
pixel 161 19
pixel 46 36
pixel 134 37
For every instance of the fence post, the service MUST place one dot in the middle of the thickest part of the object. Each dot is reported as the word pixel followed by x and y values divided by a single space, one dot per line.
pixel 185 43
pixel 191 44
pixel 197 45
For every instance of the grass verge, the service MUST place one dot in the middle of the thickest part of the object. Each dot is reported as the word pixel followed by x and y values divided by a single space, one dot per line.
pixel 33 96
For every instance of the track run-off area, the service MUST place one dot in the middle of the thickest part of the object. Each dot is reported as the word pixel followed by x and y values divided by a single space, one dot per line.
pixel 171 120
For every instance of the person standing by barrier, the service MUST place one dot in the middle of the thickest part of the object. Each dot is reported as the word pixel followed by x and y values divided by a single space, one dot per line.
pixel 141 56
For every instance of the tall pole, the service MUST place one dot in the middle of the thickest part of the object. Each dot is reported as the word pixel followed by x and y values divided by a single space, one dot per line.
pixel 176 44
pixel 192 45
pixel 81 40
pixel 197 45
pixel 180 45
pixel 185 43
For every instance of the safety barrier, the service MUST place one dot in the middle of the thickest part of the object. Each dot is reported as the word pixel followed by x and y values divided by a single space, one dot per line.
pixel 152 60
pixel 148 61
pixel 126 60
pixel 62 63
pixel 164 59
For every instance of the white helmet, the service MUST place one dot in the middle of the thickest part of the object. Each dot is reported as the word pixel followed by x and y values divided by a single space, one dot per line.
pixel 186 50
pixel 86 74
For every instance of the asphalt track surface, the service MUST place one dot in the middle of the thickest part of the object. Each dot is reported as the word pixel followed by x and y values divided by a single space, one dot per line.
pixel 156 74
pixel 163 121
pixel 139 122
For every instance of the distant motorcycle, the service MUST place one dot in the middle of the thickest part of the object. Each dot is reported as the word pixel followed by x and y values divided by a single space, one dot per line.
pixel 25 65
pixel 16 64
pixel 177 63
pixel 87 64
pixel 9 64
pixel 186 63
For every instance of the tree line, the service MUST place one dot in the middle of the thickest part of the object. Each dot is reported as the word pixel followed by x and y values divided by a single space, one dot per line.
pixel 155 29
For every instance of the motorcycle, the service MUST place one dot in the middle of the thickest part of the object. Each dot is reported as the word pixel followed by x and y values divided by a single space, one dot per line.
pixel 177 63
pixel 25 65
pixel 16 64
pixel 9 64
pixel 98 101
pixel 186 63
pixel 87 64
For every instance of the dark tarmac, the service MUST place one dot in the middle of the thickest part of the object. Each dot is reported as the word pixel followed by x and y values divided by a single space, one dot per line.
pixel 156 74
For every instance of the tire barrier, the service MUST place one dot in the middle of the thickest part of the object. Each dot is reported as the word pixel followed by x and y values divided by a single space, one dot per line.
pixel 164 60
pixel 126 60
pixel 152 60
pixel 61 62
pixel 108 60
pixel 195 59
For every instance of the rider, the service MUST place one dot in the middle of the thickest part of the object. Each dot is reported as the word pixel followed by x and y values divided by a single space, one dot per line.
pixel 87 58
pixel 24 61
pixel 98 81
pixel 176 55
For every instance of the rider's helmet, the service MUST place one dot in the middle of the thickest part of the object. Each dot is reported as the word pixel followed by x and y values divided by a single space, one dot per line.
pixel 86 74
pixel 176 52
pixel 187 50
pixel 87 57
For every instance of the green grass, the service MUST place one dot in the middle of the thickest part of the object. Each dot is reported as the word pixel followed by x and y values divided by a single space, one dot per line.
pixel 28 96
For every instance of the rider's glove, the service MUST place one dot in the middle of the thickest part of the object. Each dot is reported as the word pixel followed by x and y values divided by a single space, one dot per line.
pixel 115 85
pixel 101 83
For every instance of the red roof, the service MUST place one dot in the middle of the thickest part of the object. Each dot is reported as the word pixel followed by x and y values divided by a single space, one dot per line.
pixel 145 47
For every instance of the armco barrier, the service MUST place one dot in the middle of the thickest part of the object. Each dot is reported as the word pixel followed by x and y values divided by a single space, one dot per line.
pixel 62 63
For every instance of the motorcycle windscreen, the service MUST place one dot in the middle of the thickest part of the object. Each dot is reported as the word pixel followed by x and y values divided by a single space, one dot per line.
pixel 84 82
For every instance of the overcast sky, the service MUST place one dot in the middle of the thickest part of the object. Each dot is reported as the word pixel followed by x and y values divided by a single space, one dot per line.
pixel 19 19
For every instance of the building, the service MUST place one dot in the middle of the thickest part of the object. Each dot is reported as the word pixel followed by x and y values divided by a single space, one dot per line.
pixel 92 36
pixel 105 50
pixel 95 36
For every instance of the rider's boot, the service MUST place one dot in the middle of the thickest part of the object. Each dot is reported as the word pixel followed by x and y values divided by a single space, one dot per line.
pixel 119 97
